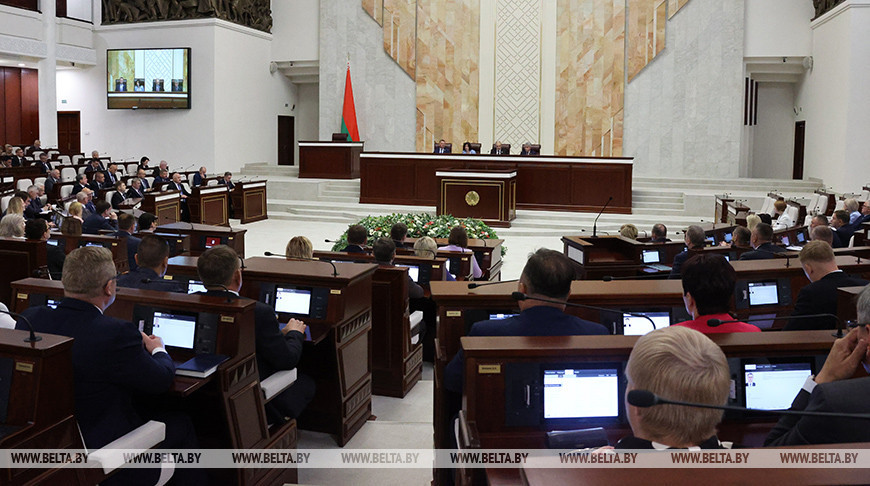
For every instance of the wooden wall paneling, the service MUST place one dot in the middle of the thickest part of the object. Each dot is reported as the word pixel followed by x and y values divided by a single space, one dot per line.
pixel 3 123
pixel 29 105
pixel 12 93
pixel 544 187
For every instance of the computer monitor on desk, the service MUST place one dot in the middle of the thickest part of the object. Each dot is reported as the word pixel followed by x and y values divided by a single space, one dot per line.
pixel 185 333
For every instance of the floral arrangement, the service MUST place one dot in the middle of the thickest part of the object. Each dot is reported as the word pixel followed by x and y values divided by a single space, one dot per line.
pixel 420 225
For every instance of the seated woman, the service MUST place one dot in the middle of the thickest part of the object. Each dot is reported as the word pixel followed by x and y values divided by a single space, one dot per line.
pixel 16 206
pixel 426 247
pixel 676 363
pixel 466 148
pixel 12 225
pixel 299 248
pixel 708 284
pixel 629 231
pixel 72 224
pixel 458 241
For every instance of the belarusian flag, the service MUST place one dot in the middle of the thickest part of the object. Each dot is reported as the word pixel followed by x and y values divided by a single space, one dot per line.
pixel 348 112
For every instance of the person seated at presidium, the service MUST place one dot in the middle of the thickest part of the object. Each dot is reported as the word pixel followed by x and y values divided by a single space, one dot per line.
pixel 708 284
pixel 152 260
pixel 497 149
pixel 103 219
pixel 527 149
pixel 833 389
pixel 278 347
pixel 113 363
pixel 466 148
pixel 300 248
pixel 682 364
pixel 695 240
pixel 458 241
pixel 357 237
pixel 760 240
pixel 384 251
pixel 547 275
pixel 442 147
pixel 820 296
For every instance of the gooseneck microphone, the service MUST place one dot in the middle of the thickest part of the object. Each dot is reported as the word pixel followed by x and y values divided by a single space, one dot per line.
pixel 595 223
pixel 334 269
pixel 839 333
pixel 474 285
pixel 521 296
pixel 646 399
pixel 33 337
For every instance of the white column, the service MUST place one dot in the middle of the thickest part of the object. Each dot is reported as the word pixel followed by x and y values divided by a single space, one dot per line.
pixel 549 21
pixel 486 79
pixel 48 77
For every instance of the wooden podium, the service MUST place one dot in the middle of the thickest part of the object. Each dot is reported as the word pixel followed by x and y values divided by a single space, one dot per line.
pixel 249 201
pixel 165 205
pixel 329 160
pixel 208 205
pixel 489 195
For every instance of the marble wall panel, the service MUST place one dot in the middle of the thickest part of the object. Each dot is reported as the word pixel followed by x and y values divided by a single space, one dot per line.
pixel 646 33
pixel 375 9
pixel 400 33
pixel 674 6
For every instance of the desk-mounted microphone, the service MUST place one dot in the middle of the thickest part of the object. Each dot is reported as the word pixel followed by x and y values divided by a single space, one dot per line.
pixel 521 296
pixel 474 285
pixel 595 223
pixel 660 276
pixel 646 399
pixel 33 337
pixel 334 269
pixel 839 333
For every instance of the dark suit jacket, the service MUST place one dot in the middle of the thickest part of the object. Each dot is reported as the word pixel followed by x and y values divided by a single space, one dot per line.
pixel 90 208
pixel 18 161
pixel 844 396
pixel 134 280
pixel 145 185
pixel 178 187
pixel 49 184
pixel 439 150
pixel 535 321
pixel 632 442
pixel 158 180
pixel 132 247
pixel 843 234
pixel 274 351
pixel 353 249
pixel 77 188
pixel 223 182
pixel 96 222
pixel 117 199
pixel 523 152
pixel 198 180
pixel 110 367
pixel 56 257
pixel 96 186
pixel 32 209
pixel 110 179
pixel 495 151
pixel 133 193
pixel 820 297
pixel 763 252
pixel 679 259
pixel 156 172
pixel 44 168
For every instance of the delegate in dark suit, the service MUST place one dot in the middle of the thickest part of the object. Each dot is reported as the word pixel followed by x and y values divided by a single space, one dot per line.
pixel 77 188
pixel 134 280
pixel 117 199
pixel 198 180
pixel 33 209
pixel 277 352
pixel 499 151
pixel 132 247
pixel 133 193
pixel 110 366
pixel 96 222
pixel 56 257
pixel 49 184
pixel 353 249
pixel 679 260
pixel 535 321
pixel 820 297
pixel 843 396
pixel 765 251
pixel 18 161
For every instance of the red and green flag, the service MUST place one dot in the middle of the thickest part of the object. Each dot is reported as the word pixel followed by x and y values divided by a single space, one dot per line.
pixel 348 112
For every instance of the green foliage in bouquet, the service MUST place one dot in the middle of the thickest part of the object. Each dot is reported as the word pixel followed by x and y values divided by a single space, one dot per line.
pixel 420 225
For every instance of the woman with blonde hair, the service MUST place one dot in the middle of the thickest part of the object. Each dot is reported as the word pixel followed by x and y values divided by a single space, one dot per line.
pixel 12 225
pixel 16 206
pixel 300 248
pixel 72 224
pixel 752 221
pixel 629 231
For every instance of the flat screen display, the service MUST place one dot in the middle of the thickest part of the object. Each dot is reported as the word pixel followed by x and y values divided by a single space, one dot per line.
pixel 711 240
pixel 176 329
pixel 293 300
pixel 497 317
pixel 52 242
pixel 651 256
pixel 148 78
pixel 52 303
pixel 413 271
pixel 763 293
pixel 728 237
pixel 581 393
pixel 195 286
pixel 211 241
pixel 801 237
pixel 634 325
pixel 785 240
pixel 774 386
pixel 90 243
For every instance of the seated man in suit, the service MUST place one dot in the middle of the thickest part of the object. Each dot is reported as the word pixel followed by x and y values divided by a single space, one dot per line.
pixel 44 165
pixel 200 177
pixel 95 166
pixel 278 346
pixel 398 232
pixel 547 275
pixel 34 205
pixel 81 183
pixel 695 240
pixel 18 159
pixel 708 284
pixel 741 237
pixel 163 166
pixel 357 237
pixel 135 191
pixel 140 174
pixel 677 364
pixel 822 220
pixel 85 197
pixel 52 179
pixel 176 185
pixel 842 228
pixel 36 230
pixel 497 149
pixel 162 177
pixel 823 233
pixel 760 240
pixel 102 219
pixel 99 182
pixel 659 233
pixel 865 213
pixel 527 149
pixel 37 146
pixel 151 259
pixel 227 181
pixel 126 228
pixel 820 296
pixel 833 390
pixel 147 222
pixel 442 147
pixel 114 364
pixel 384 251
pixel 112 175
pixel 120 194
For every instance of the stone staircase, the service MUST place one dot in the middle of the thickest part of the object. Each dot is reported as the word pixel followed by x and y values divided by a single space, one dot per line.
pixel 676 203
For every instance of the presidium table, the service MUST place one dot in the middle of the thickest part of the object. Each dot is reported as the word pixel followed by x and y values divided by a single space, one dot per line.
pixel 543 182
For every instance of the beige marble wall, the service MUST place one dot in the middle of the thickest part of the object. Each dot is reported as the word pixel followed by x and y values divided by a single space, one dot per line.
pixel 375 9
pixel 448 52
pixel 400 36
pixel 674 6
pixel 590 77
pixel 646 33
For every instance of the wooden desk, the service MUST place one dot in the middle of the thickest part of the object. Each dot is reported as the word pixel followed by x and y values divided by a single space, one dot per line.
pixel 488 195
pixel 847 298
pixel 178 244
pixel 329 160
pixel 339 356
pixel 249 201
pixel 615 256
pixel 543 182
pixel 20 259
pixel 115 244
pixel 208 205
pixel 165 205
pixel 487 253
pixel 204 236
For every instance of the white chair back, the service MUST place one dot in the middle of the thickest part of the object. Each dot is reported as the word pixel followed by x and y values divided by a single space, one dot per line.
pixel 792 212
pixel 68 174
pixel 131 168
pixel 64 159
pixel 39 180
pixel 76 158
pixel 822 205
pixel 23 184
pixel 65 191
pixel 4 202
pixel 211 183
pixel 108 196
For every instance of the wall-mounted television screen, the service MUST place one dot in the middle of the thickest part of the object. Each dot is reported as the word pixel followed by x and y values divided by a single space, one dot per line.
pixel 148 78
